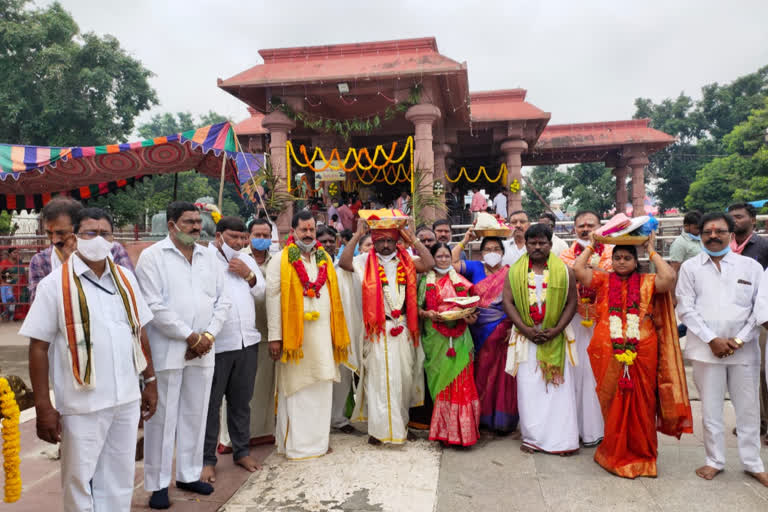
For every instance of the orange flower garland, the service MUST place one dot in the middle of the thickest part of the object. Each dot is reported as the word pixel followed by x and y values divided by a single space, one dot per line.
pixel 11 442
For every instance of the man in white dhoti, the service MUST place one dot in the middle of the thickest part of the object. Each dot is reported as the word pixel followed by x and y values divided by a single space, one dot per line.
pixel 308 334
pixel 587 405
pixel 236 348
pixel 540 299
pixel 86 329
pixel 184 287
pixel 392 378
pixel 716 295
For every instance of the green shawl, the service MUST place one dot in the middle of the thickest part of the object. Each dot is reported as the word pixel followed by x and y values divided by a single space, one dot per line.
pixel 441 370
pixel 551 355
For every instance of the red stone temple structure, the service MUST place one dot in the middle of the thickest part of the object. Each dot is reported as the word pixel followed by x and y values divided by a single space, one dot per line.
pixel 452 127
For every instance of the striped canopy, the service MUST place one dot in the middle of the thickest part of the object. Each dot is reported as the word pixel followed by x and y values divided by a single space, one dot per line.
pixel 31 175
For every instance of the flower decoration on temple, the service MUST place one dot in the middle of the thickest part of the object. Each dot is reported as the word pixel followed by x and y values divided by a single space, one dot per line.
pixel 438 188
pixel 11 442
pixel 310 289
pixel 624 334
pixel 480 172
pixel 514 187
pixel 333 189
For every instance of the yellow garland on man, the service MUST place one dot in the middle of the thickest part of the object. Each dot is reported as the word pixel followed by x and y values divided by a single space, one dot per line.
pixel 11 442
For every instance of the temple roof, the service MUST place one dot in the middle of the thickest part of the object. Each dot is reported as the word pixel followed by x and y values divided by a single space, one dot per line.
pixel 311 64
pixel 504 105
pixel 251 125
pixel 609 133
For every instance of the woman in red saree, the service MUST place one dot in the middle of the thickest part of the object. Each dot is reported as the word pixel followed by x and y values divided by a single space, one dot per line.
pixel 636 359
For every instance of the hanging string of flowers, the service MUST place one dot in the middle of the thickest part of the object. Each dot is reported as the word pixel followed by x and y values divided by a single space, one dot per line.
pixel 432 303
pixel 395 309
pixel 311 289
pixel 537 313
pixel 11 442
pixel 398 174
pixel 625 334
pixel 480 172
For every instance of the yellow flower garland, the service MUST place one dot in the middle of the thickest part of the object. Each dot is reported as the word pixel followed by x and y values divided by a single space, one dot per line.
pixel 11 442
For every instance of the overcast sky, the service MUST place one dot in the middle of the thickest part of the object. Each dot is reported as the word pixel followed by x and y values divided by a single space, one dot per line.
pixel 580 60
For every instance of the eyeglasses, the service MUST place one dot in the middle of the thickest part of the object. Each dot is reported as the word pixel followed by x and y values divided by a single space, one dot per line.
pixel 715 232
pixel 90 235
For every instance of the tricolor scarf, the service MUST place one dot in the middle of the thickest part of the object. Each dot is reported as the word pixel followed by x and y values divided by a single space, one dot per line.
pixel 374 315
pixel 550 355
pixel 77 325
pixel 292 306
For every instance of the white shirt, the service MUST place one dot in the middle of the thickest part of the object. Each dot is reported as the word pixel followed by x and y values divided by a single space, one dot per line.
pixel 719 303
pixel 115 378
pixel 558 245
pixel 239 330
pixel 184 298
pixel 511 252
pixel 500 205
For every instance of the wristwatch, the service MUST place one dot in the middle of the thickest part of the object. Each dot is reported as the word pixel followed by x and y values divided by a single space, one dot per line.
pixel 738 341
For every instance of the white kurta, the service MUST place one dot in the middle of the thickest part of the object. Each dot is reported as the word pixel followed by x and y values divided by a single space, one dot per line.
pixel 304 389
pixel 589 414
pixel 548 418
pixel 392 376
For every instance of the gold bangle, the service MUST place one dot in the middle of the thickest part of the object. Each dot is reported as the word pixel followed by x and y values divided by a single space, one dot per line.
pixel 738 341
pixel 461 244
pixel 209 336
pixel 199 338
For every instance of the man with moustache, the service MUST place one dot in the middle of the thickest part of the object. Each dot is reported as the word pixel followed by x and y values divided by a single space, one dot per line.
pixel 236 348
pixel 540 299
pixel 308 337
pixel 393 360
pixel 590 416
pixel 716 295
pixel 58 218
pixel 427 236
pixel 183 284
pixel 514 248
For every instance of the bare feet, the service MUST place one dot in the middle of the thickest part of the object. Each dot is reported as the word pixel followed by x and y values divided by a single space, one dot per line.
pixel 568 454
pixel 347 429
pixel 708 472
pixel 248 463
pixel 330 450
pixel 760 477
pixel 373 441
pixel 527 449
pixel 208 475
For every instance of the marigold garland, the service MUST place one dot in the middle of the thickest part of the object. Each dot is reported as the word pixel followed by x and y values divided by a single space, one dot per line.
pixel 624 335
pixel 311 288
pixel 537 313
pixel 395 310
pixel 11 442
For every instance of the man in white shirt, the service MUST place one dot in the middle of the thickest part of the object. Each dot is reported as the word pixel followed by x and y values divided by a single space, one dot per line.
pixel 716 294
pixel 183 284
pixel 500 203
pixel 515 246
pixel 94 367
pixel 558 244
pixel 236 347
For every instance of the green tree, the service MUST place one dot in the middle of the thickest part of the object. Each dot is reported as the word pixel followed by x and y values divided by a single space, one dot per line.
pixel 740 176
pixel 542 178
pixel 61 87
pixel 589 186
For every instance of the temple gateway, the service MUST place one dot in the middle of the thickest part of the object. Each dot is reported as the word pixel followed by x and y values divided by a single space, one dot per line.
pixel 364 95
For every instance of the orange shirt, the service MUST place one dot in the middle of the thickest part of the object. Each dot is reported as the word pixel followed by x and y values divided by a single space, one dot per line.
pixel 603 262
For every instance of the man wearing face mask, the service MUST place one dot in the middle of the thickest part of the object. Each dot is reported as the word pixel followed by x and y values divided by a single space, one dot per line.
pixel 262 404
pixel 590 416
pixel 86 330
pixel 717 293
pixel 393 360
pixel 308 337
pixel 58 218
pixel 183 284
pixel 688 244
pixel 236 348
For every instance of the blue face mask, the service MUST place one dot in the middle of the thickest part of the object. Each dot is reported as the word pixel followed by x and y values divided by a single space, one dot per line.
pixel 694 237
pixel 714 254
pixel 260 244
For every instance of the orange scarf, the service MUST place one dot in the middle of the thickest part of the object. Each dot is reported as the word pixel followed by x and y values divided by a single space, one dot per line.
pixel 374 317
pixel 292 306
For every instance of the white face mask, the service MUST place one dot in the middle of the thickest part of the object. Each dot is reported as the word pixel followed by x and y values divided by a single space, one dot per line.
pixel 229 252
pixel 583 243
pixel 492 259
pixel 442 271
pixel 388 257
pixel 95 249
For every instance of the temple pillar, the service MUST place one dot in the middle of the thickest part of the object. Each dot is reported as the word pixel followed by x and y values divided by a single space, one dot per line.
pixel 441 167
pixel 422 116
pixel 512 150
pixel 637 164
pixel 621 172
pixel 279 125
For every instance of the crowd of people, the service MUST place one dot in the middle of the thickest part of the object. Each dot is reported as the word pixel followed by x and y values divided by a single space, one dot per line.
pixel 214 348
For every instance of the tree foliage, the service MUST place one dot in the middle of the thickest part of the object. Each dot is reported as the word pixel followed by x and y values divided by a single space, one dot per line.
pixel 588 186
pixel 542 178
pixel 60 87
pixel 700 127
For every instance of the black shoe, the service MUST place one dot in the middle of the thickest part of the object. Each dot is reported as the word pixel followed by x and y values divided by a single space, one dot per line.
pixel 196 487
pixel 159 500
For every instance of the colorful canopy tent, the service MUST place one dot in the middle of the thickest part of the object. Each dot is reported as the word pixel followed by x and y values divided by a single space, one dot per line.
pixel 31 175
